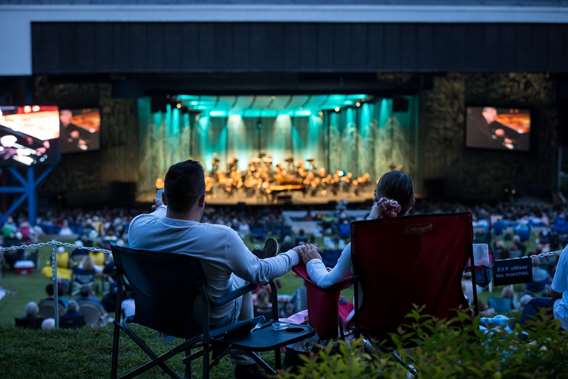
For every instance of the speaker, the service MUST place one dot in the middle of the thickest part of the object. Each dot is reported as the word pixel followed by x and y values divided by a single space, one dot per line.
pixel 400 105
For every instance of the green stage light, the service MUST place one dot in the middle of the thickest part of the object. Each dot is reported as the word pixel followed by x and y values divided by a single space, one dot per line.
pixel 270 106
pixel 218 114
pixel 303 113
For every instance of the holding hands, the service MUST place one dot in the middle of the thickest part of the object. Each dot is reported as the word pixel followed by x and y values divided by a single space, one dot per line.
pixel 308 252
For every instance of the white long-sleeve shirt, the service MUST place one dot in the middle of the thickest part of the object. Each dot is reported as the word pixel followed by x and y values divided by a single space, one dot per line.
pixel 322 278
pixel 560 285
pixel 222 251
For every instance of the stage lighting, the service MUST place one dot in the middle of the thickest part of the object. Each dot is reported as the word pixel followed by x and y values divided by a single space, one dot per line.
pixel 178 105
pixel 358 104
pixel 337 109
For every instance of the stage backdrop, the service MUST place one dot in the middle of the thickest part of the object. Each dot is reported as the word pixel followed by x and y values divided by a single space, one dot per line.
pixel 371 138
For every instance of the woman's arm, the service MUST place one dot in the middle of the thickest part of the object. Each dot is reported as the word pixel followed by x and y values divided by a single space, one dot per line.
pixel 322 278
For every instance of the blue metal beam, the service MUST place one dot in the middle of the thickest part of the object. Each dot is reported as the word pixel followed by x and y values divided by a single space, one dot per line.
pixel 11 189
pixel 32 196
pixel 15 205
pixel 16 174
pixel 28 191
pixel 44 174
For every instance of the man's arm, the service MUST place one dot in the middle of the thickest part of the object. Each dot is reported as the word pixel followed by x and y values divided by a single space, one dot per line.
pixel 249 267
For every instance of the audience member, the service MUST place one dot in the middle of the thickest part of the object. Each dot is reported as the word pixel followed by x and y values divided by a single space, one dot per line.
pixel 227 262
pixel 394 196
pixel 48 324
pixel 31 320
pixel 557 304
pixel 72 319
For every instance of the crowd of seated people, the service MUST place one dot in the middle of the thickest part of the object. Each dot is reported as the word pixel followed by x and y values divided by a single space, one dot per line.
pixel 511 229
pixel 72 312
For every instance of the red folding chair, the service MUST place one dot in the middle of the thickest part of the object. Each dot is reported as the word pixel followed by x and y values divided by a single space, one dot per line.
pixel 398 263
pixel 323 312
pixel 402 262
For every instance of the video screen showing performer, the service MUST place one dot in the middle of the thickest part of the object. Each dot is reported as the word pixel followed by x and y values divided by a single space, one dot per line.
pixel 28 135
pixel 80 130
pixel 498 128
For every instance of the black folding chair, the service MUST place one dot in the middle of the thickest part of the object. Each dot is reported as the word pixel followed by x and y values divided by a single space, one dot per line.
pixel 170 295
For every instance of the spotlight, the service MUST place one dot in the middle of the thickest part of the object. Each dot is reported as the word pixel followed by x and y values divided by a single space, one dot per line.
pixel 358 104
pixel 27 109
pixel 337 109
pixel 178 105
pixel 35 108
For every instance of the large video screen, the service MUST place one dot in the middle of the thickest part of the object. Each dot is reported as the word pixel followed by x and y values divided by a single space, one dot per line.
pixel 28 135
pixel 498 128
pixel 80 129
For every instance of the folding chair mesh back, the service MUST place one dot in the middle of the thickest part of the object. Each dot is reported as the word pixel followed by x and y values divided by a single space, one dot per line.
pixel 92 313
pixel 165 288
pixel 47 308
pixel 401 262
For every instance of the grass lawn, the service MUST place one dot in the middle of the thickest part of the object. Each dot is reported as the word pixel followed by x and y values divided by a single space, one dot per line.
pixel 84 353
pixel 22 289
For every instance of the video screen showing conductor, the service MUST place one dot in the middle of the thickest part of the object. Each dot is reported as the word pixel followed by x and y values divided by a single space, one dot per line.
pixel 498 128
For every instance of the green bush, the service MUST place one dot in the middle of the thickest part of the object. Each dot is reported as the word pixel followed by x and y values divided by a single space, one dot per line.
pixel 448 349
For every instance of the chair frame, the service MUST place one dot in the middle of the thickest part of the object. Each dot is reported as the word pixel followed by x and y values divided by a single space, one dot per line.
pixel 209 342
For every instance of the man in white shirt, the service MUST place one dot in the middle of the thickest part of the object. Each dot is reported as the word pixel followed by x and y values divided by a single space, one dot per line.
pixel 559 295
pixel 228 264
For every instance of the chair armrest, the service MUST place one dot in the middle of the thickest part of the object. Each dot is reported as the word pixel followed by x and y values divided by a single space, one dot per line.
pixel 234 294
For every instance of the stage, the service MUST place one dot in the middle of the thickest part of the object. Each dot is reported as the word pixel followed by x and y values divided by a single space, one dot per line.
pixel 279 149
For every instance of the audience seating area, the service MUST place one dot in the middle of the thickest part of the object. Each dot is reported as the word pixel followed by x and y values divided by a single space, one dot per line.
pixel 511 230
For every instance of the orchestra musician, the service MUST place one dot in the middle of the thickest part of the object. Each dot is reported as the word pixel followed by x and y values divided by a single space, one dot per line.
pixel 263 180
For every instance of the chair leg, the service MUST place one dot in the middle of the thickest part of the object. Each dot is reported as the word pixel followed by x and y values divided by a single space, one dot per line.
pixel 261 362
pixel 187 364
pixel 115 346
pixel 156 360
pixel 116 334
pixel 277 359
pixel 205 361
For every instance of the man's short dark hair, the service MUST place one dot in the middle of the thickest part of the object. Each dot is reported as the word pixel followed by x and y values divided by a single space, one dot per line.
pixel 49 290
pixel 184 185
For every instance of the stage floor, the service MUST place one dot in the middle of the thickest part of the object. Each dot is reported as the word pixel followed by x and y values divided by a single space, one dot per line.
pixel 220 197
